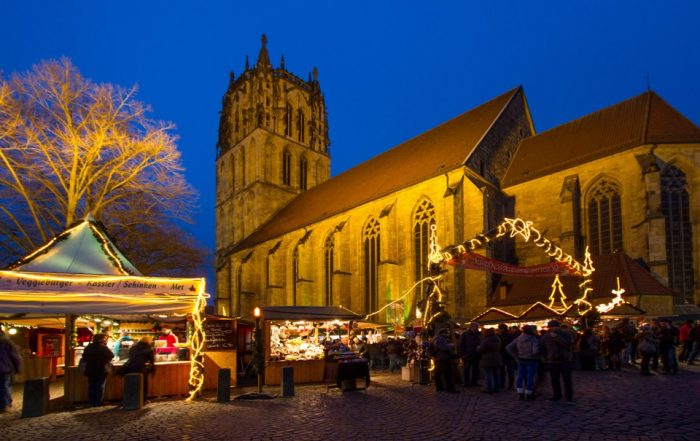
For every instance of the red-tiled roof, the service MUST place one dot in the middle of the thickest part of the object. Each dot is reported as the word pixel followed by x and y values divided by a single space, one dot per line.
pixel 634 279
pixel 644 119
pixel 434 152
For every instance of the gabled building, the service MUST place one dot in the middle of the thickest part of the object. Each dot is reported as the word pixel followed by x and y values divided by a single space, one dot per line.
pixel 622 179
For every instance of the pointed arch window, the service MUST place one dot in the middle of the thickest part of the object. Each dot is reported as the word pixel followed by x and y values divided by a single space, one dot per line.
pixel 423 219
pixel 371 256
pixel 286 167
pixel 604 218
pixel 303 171
pixel 675 206
pixel 288 120
pixel 328 267
pixel 301 124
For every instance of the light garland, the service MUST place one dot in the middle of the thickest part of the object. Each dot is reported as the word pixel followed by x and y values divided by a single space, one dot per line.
pixel 197 357
pixel 524 229
pixel 616 301
pixel 104 241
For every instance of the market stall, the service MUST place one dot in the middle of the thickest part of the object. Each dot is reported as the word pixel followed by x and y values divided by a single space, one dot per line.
pixel 303 337
pixel 80 273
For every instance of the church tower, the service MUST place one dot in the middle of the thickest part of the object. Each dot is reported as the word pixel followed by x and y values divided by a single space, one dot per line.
pixel 273 144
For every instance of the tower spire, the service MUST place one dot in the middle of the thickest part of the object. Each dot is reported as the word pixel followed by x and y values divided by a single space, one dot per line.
pixel 263 56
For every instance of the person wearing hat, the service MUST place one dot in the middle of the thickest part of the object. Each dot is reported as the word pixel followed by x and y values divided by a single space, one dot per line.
pixel 556 346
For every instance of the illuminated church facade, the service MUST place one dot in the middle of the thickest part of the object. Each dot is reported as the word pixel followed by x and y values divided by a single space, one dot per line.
pixel 623 181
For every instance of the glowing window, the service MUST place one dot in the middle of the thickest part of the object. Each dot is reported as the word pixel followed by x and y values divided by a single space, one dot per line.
pixel 679 244
pixel 604 218
pixel 371 265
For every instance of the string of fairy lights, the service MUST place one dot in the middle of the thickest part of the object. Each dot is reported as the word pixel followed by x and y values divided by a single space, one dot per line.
pixel 193 299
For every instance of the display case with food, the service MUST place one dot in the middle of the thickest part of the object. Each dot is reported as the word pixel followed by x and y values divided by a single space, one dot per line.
pixel 300 336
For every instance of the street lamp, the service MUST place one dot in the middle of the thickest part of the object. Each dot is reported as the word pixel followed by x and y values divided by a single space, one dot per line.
pixel 258 353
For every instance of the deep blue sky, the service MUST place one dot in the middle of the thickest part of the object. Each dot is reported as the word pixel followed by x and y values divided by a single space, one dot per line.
pixel 389 70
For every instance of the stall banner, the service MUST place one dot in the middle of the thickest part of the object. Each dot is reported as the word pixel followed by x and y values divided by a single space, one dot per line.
pixel 483 263
pixel 25 282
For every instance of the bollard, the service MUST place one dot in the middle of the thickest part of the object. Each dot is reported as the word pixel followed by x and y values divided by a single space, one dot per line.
pixel 133 392
pixel 36 397
pixel 287 382
pixel 223 387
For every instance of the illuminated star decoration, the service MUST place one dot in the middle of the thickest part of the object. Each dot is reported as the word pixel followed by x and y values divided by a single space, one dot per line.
pixel 616 301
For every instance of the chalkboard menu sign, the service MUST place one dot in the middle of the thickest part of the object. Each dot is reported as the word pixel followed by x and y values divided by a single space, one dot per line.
pixel 219 335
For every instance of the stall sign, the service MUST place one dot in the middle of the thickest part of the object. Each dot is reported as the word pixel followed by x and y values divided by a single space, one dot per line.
pixel 219 335
pixel 51 345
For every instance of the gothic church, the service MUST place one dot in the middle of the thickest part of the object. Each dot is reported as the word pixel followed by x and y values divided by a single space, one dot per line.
pixel 624 181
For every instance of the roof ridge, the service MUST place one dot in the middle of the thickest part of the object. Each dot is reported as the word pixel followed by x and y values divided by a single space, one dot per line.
pixel 590 114
pixel 460 131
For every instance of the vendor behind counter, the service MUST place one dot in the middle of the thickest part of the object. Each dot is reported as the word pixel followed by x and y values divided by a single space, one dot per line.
pixel 167 343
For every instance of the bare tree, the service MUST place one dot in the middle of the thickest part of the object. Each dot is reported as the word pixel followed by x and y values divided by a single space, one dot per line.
pixel 71 147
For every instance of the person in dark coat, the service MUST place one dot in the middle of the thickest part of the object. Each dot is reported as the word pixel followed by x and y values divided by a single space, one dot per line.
pixel 142 360
pixel 97 355
pixel 468 342
pixel 10 364
pixel 491 360
pixel 557 348
pixel 443 365
pixel 509 363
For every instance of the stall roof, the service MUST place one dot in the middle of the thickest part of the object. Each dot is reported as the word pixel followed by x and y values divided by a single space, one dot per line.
pixel 493 315
pixel 83 248
pixel 80 271
pixel 539 311
pixel 308 313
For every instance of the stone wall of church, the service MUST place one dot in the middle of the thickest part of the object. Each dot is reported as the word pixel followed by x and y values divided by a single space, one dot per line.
pixel 267 273
pixel 643 231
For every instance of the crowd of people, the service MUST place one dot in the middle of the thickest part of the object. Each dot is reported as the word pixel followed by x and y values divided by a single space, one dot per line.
pixel 518 358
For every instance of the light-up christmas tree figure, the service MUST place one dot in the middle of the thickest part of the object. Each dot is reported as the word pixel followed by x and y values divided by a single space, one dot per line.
pixel 557 297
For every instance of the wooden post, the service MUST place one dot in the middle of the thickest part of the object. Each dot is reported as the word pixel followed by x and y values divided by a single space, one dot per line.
pixel 68 354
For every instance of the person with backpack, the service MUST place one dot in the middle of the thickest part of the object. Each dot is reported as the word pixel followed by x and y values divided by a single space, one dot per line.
pixel 526 350
pixel 468 343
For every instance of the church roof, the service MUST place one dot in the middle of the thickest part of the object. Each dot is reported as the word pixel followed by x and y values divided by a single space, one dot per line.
pixel 84 248
pixel 643 119
pixel 634 279
pixel 430 154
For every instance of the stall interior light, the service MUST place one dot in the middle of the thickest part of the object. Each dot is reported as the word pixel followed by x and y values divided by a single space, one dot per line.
pixel 106 322
pixel 12 331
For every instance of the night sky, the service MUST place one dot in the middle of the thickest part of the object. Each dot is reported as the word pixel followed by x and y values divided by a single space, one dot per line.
pixel 389 70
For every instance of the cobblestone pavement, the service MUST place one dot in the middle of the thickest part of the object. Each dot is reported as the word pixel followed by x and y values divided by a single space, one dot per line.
pixel 608 406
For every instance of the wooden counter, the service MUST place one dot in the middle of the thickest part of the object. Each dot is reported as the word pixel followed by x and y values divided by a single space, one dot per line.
pixel 169 379
pixel 308 371
pixel 34 367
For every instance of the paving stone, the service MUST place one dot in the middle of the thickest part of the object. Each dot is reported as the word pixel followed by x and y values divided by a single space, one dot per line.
pixel 608 406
